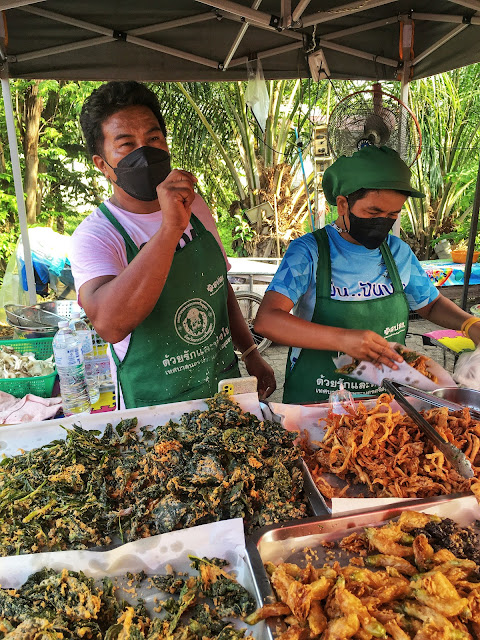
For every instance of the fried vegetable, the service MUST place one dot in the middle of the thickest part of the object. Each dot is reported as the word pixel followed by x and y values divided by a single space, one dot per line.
pixel 68 604
pixel 399 599
pixel 85 490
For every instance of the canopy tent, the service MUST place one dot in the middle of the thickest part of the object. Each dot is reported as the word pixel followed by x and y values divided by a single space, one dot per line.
pixel 212 40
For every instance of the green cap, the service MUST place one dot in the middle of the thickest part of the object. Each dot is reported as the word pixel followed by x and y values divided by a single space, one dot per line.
pixel 370 168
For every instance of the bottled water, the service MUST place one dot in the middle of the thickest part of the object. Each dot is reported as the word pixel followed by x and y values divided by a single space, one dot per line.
pixel 71 370
pixel 84 335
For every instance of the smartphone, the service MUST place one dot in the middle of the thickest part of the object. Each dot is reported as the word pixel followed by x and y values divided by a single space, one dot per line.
pixel 234 386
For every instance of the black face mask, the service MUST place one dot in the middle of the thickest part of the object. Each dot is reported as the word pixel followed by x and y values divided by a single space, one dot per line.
pixel 141 171
pixel 370 232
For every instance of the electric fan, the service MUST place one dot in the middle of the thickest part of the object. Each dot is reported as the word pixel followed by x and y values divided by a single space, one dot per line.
pixel 373 117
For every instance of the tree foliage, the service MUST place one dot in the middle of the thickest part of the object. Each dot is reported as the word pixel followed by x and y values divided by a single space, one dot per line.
pixel 212 134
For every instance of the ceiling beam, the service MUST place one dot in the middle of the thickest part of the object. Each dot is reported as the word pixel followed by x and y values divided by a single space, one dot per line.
pixel 343 10
pixel 299 9
pixel 445 17
pixel 470 4
pixel 251 15
pixel 268 53
pixel 239 37
pixel 326 44
pixel 110 35
pixel 439 43
pixel 361 28
pixel 16 4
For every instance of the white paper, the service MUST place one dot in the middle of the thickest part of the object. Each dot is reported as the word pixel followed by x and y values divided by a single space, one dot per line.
pixel 224 539
pixel 367 372
pixel 296 417
pixel 23 437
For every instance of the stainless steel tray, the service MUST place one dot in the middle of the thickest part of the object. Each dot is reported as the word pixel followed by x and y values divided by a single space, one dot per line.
pixel 323 505
pixel 316 500
pixel 288 542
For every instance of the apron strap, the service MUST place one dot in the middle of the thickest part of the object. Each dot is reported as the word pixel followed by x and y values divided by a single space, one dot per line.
pixel 392 268
pixel 129 243
pixel 324 264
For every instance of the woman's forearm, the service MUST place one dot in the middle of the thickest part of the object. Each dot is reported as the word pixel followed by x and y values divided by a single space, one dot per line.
pixel 284 328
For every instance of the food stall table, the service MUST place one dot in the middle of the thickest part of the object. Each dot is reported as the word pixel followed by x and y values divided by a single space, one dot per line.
pixel 449 275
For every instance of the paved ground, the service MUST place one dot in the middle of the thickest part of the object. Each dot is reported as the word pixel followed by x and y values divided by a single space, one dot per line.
pixel 276 354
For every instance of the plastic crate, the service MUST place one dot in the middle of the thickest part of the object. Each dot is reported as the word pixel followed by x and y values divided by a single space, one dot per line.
pixel 39 385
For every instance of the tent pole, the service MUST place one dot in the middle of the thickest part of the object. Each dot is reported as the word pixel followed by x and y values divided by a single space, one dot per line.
pixel 471 242
pixel 17 179
pixel 406 45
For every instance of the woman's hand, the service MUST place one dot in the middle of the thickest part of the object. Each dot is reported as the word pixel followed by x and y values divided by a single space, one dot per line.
pixel 258 367
pixel 371 347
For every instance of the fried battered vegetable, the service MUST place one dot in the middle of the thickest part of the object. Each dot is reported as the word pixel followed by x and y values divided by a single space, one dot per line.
pixel 52 605
pixel 213 465
pixel 229 597
pixel 436 598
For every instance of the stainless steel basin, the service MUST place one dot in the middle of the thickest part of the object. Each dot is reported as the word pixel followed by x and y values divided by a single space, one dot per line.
pixel 466 397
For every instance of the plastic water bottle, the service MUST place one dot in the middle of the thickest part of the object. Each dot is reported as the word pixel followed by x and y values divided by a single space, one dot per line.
pixel 84 335
pixel 71 370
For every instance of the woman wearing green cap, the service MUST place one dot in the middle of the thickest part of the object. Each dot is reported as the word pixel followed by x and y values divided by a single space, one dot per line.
pixel 352 283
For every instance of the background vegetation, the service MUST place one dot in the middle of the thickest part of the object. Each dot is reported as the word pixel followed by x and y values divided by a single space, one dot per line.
pixel 212 133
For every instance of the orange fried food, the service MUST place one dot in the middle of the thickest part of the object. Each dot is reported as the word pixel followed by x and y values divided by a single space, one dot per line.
pixel 384 450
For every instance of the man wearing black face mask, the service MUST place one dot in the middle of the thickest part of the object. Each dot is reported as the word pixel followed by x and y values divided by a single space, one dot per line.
pixel 352 282
pixel 148 264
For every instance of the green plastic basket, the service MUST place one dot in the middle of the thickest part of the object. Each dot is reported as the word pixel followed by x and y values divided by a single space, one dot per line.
pixel 40 385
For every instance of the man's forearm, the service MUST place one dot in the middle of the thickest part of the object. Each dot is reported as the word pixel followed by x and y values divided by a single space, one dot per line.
pixel 121 304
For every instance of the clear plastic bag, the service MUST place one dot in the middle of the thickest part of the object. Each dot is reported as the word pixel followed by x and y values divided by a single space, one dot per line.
pixel 12 290
pixel 48 248
pixel 256 93
pixel 467 369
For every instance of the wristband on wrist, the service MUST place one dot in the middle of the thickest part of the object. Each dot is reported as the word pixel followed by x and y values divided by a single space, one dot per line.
pixel 467 325
pixel 249 351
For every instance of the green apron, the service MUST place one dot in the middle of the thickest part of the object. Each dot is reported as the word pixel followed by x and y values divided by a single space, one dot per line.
pixel 184 347
pixel 313 375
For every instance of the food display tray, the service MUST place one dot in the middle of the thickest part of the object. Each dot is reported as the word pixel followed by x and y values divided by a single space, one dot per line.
pixel 293 541
pixel 155 555
pixel 16 439
pixel 311 419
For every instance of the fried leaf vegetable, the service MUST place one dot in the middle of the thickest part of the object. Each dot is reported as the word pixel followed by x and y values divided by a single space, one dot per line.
pixel 52 605
pixel 417 590
pixel 85 490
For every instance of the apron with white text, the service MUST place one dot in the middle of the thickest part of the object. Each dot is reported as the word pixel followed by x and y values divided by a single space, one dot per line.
pixel 313 376
pixel 184 347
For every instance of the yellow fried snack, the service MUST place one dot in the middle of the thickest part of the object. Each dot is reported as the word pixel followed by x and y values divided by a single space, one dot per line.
pixel 432 595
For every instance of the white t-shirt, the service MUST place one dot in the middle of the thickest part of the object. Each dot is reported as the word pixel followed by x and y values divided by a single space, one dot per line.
pixel 98 249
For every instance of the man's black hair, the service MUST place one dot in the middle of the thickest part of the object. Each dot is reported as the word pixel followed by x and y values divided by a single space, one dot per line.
pixel 107 100
pixel 362 193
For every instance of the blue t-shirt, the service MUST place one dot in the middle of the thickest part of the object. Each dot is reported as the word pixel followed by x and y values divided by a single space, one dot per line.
pixel 358 273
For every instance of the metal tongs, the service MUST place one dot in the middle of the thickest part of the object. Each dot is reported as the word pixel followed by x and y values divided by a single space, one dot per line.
pixel 435 400
pixel 457 458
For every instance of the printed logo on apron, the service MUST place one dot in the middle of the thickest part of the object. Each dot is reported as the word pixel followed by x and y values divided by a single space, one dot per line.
pixel 194 321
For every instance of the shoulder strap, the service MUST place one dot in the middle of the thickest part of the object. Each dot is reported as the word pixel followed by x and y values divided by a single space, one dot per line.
pixel 391 267
pixel 324 265
pixel 129 243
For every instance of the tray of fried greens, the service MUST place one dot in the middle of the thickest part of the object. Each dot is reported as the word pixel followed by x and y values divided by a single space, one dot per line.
pixel 137 476
pixel 193 584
